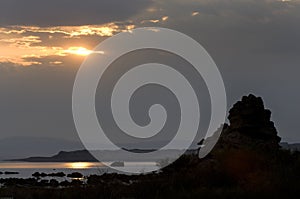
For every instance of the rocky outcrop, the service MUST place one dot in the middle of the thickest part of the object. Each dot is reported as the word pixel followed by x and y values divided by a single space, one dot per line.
pixel 250 126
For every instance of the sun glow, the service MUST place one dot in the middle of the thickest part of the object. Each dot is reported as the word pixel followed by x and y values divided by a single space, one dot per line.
pixel 33 45
pixel 79 51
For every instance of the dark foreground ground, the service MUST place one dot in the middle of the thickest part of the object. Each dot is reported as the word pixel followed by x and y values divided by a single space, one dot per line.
pixel 225 174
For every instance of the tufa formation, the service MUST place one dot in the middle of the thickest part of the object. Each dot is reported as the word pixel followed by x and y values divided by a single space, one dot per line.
pixel 250 127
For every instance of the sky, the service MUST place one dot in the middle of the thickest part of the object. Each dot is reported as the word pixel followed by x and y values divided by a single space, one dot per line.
pixel 255 44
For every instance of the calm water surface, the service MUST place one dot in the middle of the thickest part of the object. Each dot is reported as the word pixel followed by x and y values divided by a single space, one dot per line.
pixel 26 169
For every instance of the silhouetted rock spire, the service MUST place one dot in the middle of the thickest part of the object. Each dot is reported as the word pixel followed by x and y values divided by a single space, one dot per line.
pixel 250 126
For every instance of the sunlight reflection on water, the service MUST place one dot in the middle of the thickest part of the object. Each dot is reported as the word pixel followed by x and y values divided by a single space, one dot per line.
pixel 49 165
pixel 26 169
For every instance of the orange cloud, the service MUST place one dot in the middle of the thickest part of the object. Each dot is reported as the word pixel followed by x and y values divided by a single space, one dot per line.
pixel 16 46
pixel 105 30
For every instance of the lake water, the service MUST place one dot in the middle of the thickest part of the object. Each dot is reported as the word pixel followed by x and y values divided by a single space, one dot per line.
pixel 26 169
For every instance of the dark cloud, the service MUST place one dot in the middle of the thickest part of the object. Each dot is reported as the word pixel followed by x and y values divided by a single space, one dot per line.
pixel 254 43
pixel 36 101
pixel 67 12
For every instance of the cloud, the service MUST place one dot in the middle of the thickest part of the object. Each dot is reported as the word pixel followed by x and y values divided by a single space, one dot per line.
pixel 154 21
pixel 195 13
pixel 20 42
pixel 68 12
pixel 255 26
pixel 104 30
pixel 254 43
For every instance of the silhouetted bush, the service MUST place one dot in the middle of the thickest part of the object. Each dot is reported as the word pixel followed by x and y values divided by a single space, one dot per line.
pixel 75 175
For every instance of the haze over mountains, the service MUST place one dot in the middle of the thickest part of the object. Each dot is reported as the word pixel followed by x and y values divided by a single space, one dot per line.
pixel 24 147
pixel 19 147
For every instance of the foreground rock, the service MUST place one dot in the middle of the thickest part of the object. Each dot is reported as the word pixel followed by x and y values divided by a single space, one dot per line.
pixel 250 127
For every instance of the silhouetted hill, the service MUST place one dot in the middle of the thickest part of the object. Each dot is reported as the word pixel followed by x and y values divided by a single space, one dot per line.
pixel 106 155
pixel 63 156
pixel 19 147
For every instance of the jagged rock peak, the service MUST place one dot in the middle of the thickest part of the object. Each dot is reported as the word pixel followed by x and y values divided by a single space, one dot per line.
pixel 249 112
pixel 250 125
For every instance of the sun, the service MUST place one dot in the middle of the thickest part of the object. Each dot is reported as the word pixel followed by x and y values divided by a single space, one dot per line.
pixel 79 51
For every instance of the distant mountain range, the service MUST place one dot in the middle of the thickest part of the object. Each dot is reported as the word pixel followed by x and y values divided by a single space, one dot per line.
pixel 105 155
pixel 62 156
pixel 20 147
